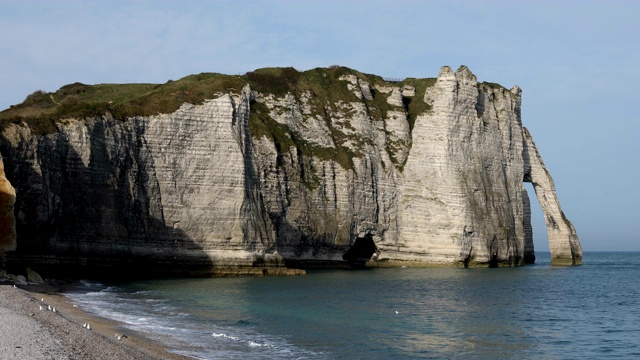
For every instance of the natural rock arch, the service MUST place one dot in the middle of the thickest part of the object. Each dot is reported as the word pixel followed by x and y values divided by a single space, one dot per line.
pixel 563 240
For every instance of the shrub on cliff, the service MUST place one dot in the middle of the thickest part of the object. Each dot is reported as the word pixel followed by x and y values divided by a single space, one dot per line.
pixel 277 81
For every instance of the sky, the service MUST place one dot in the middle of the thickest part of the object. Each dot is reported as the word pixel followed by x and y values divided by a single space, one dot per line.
pixel 578 63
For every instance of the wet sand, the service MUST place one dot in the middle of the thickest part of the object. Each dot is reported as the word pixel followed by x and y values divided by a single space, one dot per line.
pixel 26 332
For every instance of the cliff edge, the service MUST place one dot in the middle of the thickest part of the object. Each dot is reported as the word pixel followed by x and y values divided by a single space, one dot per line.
pixel 279 167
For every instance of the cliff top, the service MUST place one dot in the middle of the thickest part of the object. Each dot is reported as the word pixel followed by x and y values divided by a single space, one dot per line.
pixel 41 109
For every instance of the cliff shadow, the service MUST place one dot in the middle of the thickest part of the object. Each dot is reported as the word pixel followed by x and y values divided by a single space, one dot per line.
pixel 362 250
pixel 302 251
pixel 96 216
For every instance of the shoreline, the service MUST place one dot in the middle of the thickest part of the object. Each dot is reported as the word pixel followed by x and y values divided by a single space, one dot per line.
pixel 26 332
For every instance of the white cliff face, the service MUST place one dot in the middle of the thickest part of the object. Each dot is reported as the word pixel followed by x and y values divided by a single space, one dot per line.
pixel 145 188
pixel 218 207
pixel 196 187
pixel 463 178
pixel 459 198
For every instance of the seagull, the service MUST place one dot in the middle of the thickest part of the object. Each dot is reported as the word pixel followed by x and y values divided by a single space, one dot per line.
pixel 88 326
pixel 120 337
pixel 53 309
pixel 49 307
pixel 74 305
pixel 40 307
pixel 14 286
pixel 42 299
pixel 396 312
pixel 84 325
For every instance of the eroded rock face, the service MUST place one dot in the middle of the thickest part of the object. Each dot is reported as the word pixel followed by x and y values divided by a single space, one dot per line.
pixel 7 219
pixel 564 245
pixel 195 188
pixel 150 191
pixel 463 178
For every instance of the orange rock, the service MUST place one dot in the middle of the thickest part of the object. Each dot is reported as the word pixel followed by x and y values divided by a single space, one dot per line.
pixel 7 219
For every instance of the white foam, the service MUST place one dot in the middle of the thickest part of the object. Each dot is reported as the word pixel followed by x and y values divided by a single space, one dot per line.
pixel 235 338
pixel 144 311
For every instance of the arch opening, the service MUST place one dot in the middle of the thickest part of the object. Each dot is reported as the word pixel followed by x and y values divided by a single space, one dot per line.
pixel 538 225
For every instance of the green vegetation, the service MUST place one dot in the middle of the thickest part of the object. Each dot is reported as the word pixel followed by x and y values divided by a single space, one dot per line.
pixel 262 125
pixel 40 109
pixel 325 94
pixel 279 81
pixel 416 105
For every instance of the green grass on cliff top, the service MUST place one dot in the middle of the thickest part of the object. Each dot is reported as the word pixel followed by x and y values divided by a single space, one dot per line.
pixel 40 109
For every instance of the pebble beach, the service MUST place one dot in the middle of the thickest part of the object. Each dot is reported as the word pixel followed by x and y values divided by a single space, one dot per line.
pixel 29 330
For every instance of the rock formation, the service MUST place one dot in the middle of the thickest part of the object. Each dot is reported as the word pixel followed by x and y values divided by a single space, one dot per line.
pixel 7 219
pixel 431 170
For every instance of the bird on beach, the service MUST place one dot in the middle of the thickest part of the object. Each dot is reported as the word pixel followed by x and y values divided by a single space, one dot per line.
pixel 54 309
pixel 120 337
pixel 40 307
pixel 49 307
pixel 42 299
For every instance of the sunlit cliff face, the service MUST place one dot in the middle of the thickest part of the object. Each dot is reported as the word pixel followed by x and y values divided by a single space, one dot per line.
pixel 431 170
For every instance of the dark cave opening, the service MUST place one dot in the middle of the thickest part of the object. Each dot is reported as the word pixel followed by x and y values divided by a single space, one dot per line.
pixel 361 251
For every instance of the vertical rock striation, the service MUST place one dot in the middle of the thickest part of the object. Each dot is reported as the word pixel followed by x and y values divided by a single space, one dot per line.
pixel 176 188
pixel 198 188
pixel 463 180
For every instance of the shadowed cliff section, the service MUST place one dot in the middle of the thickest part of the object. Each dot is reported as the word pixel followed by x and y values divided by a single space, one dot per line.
pixel 93 216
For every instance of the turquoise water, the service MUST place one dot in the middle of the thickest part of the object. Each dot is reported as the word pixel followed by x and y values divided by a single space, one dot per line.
pixel 533 312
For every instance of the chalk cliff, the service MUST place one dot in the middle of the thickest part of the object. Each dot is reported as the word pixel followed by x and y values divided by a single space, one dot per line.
pixel 431 169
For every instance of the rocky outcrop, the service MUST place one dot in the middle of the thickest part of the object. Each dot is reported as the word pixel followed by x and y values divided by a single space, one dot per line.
pixel 7 219
pixel 199 190
pixel 564 245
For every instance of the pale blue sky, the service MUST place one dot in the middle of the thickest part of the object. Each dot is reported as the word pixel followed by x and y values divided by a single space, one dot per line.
pixel 576 61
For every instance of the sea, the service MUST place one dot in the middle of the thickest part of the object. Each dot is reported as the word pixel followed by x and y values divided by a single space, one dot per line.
pixel 532 312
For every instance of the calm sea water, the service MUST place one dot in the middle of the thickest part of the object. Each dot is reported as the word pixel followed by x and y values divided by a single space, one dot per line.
pixel 532 312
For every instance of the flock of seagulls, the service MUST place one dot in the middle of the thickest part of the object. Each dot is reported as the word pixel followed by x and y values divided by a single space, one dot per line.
pixel 86 325
pixel 48 307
